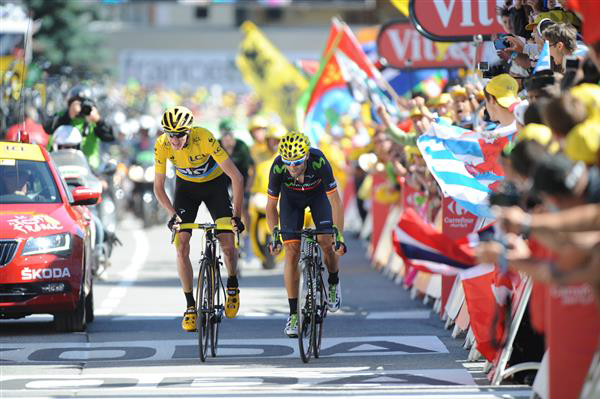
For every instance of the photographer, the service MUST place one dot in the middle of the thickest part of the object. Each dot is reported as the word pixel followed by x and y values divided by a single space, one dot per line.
pixel 82 113
pixel 566 186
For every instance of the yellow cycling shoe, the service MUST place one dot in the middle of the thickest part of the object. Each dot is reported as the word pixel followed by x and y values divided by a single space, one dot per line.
pixel 189 319
pixel 232 303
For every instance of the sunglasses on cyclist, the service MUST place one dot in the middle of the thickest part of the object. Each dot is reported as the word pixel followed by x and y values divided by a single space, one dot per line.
pixel 294 163
pixel 177 135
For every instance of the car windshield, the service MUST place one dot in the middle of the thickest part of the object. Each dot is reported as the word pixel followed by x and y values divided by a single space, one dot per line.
pixel 23 182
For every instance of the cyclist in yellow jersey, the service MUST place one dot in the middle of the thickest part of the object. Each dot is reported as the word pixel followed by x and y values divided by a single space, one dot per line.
pixel 201 167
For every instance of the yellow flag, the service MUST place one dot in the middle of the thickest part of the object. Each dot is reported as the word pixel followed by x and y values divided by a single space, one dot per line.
pixel 274 79
pixel 401 5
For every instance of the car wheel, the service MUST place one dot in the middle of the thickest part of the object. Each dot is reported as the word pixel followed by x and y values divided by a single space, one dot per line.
pixel 89 306
pixel 72 321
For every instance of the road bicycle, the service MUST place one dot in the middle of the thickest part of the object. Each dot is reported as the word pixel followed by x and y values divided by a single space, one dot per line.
pixel 210 291
pixel 312 294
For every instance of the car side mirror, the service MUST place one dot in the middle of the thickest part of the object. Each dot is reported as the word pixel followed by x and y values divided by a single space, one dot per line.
pixel 84 196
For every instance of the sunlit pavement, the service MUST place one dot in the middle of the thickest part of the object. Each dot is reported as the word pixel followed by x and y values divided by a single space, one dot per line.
pixel 380 344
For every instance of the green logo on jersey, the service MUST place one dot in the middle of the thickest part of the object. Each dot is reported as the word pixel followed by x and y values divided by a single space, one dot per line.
pixel 319 163
pixel 279 169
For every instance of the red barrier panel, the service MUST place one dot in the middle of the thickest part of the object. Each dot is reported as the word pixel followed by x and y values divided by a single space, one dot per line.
pixel 572 337
pixel 447 283
pixel 378 210
pixel 457 222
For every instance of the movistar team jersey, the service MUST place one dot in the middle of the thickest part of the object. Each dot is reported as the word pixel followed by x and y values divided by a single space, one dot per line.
pixel 318 177
pixel 196 162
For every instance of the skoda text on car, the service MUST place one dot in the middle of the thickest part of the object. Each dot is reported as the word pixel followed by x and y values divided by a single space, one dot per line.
pixel 45 240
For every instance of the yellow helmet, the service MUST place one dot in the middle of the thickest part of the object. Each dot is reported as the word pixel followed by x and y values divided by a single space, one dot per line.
pixel 258 121
pixel 293 146
pixel 276 131
pixel 177 119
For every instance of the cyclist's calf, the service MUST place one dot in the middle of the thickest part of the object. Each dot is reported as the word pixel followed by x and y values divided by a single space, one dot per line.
pixel 226 241
pixel 330 259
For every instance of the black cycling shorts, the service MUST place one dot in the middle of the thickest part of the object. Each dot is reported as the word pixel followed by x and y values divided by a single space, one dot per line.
pixel 190 195
pixel 291 213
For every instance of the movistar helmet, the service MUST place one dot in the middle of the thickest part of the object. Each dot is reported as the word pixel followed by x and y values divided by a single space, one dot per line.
pixel 293 146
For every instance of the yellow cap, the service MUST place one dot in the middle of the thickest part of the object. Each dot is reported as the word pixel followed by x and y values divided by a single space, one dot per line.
pixel 442 99
pixel 540 133
pixel 554 15
pixel 458 91
pixel 583 142
pixel 589 94
pixel 276 131
pixel 504 88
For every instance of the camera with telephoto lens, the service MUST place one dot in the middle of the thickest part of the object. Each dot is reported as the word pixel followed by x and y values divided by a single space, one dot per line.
pixel 489 71
pixel 86 107
pixel 509 195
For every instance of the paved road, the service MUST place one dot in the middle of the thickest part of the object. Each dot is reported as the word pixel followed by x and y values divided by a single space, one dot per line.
pixel 381 343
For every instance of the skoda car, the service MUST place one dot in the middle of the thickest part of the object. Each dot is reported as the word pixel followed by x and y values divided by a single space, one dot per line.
pixel 45 240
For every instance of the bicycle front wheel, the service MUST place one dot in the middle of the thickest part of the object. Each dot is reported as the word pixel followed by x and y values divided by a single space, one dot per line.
pixel 217 315
pixel 321 306
pixel 306 311
pixel 204 306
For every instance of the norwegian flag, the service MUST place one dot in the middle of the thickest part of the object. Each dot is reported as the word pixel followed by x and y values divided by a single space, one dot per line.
pixel 422 246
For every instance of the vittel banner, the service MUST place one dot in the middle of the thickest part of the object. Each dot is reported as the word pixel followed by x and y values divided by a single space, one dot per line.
pixel 455 20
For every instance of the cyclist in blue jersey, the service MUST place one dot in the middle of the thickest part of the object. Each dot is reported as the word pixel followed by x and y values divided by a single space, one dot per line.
pixel 304 178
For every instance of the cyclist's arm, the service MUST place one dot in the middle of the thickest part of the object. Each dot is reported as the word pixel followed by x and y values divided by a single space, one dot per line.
pixel 237 185
pixel 272 213
pixel 337 209
pixel 273 191
pixel 161 194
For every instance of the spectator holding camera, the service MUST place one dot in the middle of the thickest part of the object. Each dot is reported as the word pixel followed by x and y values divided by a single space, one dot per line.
pixel 82 113
pixel 562 40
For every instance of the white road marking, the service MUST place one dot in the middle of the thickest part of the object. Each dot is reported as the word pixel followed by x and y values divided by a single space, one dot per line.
pixel 402 314
pixel 208 380
pixel 127 276
pixel 166 350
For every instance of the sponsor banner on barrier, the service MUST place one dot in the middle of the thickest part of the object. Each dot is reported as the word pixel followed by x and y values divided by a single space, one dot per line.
pixel 572 337
pixel 457 222
pixel 403 47
pixel 455 21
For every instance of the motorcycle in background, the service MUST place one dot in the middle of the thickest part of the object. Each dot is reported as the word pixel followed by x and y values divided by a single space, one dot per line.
pixel 143 202
pixel 75 170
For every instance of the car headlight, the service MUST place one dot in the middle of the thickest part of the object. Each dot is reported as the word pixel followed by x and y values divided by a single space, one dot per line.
pixel 55 243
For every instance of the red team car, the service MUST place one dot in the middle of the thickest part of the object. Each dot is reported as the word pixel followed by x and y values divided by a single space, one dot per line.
pixel 45 240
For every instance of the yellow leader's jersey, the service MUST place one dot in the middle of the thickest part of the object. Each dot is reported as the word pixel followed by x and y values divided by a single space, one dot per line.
pixel 197 162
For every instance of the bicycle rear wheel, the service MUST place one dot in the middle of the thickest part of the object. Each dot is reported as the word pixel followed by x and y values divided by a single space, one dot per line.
pixel 216 316
pixel 321 306
pixel 204 305
pixel 306 311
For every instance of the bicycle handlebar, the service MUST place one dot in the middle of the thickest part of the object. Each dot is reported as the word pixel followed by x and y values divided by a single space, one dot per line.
pixel 205 227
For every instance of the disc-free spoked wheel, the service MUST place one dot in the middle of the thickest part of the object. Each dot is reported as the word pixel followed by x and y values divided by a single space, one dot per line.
pixel 215 319
pixel 306 311
pixel 321 303
pixel 204 307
